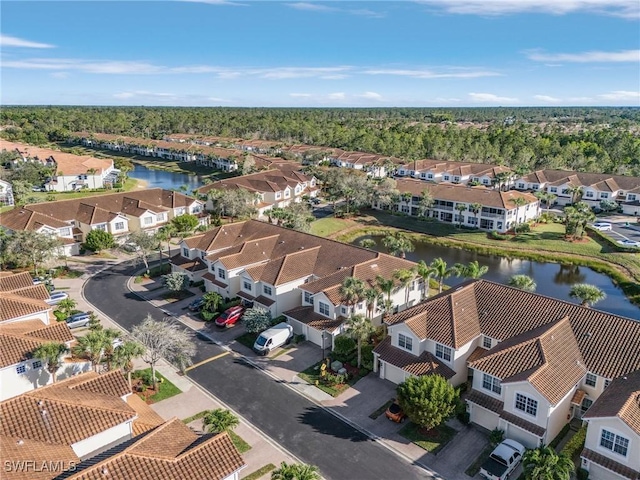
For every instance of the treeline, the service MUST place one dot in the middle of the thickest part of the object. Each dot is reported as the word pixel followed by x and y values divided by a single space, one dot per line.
pixel 585 139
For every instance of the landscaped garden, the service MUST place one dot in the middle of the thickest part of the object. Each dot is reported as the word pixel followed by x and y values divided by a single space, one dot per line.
pixel 143 386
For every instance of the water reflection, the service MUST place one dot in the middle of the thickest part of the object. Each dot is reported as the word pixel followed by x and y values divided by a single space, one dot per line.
pixel 569 275
pixel 167 180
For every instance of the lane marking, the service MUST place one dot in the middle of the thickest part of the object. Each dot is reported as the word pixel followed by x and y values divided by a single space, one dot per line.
pixel 211 359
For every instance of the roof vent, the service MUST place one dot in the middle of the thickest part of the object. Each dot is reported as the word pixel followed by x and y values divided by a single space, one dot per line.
pixel 20 442
pixel 104 471
pixel 40 402
pixel 587 335
pixel 301 248
pixel 281 242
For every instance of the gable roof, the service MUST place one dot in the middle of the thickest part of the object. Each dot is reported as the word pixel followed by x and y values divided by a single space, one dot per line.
pixel 599 181
pixel 19 339
pixel 274 180
pixel 12 281
pixel 425 364
pixel 620 399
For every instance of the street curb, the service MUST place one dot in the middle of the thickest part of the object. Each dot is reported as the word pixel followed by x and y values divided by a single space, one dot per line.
pixel 366 432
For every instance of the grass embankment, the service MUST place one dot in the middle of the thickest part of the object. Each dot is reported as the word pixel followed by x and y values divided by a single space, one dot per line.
pixel 545 243
pixel 239 442
pixel 129 184
pixel 328 226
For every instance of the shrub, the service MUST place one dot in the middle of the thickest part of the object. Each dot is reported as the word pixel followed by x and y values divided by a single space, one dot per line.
pixel 575 444
pixel 344 345
pixel 496 436
pixel 367 357
pixel 98 240
pixel 199 283
pixel 60 316
pixel 498 236
pixel 582 474
pixel 299 338
pixel 229 304
pixel 256 319
pixel 331 379
pixel 524 228
pixel 175 281
pixel 464 417
pixel 208 316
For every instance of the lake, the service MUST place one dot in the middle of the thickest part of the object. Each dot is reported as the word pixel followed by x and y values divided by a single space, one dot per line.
pixel 554 280
pixel 163 179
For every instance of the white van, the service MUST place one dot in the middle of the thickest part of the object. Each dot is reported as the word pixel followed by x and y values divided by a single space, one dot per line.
pixel 273 338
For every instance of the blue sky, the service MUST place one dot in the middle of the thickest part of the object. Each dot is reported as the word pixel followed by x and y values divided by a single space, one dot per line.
pixel 321 54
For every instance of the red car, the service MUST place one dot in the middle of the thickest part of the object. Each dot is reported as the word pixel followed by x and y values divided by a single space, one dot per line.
pixel 395 413
pixel 230 316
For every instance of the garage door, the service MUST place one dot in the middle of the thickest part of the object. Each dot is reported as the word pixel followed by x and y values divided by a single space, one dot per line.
pixel 392 373
pixel 483 417
pixel 527 439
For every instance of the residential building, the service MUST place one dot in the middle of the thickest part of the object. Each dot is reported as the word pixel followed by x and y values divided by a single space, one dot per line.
pixel 6 194
pixel 117 213
pixel 273 188
pixel 21 300
pixel 92 426
pixel 484 208
pixel 532 362
pixel 612 447
pixel 71 172
pixel 464 173
pixel 375 165
pixel 291 273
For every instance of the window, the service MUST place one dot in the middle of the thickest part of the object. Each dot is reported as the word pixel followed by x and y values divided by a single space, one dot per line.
pixel 565 191
pixel 526 404
pixel 20 369
pixel 606 383
pixel 521 185
pixel 102 227
pixel 631 197
pixel 65 232
pixel 588 194
pixel 278 195
pixel 246 285
pixel 222 274
pixel 491 383
pixel 586 403
pixel 590 380
pixel 36 364
pixel 307 297
pixel 148 220
pixel 119 226
pixel 486 342
pixel 430 176
pixel 446 177
pixel 553 189
pixel 267 290
pixel 323 308
pixel 405 342
pixel 160 217
pixel 287 193
pixel 613 442
pixel 185 252
pixel 443 352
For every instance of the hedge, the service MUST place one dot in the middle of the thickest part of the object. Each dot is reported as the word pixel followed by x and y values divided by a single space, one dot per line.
pixel 575 445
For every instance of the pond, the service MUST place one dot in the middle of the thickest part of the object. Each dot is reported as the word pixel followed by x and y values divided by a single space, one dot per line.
pixel 554 280
pixel 163 179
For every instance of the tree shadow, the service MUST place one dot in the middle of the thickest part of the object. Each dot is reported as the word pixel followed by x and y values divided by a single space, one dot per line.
pixel 327 424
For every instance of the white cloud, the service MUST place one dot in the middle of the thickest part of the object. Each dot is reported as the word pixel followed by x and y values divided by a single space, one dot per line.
pixel 337 96
pixel 621 96
pixel 365 12
pixel 586 57
pixel 617 8
pixel 312 7
pixel 420 73
pixel 323 8
pixel 296 72
pixel 300 95
pixel 491 98
pixel 547 98
pixel 9 41
pixel 152 98
pixel 371 96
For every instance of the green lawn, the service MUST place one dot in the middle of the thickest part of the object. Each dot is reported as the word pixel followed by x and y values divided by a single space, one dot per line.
pixel 261 472
pixel 329 225
pixel 173 297
pixel 312 375
pixel 166 389
pixel 430 443
pixel 130 184
pixel 247 339
pixel 239 442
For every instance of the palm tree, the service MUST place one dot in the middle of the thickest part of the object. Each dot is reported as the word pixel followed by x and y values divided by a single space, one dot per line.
pixel 360 329
pixel 295 471
pixel 441 271
pixel 545 464
pixel 66 306
pixel 425 272
pixel 219 420
pixel 473 270
pixel 367 243
pixel 576 192
pixel 351 290
pixel 460 207
pixel 426 202
pixel 405 278
pixel 92 172
pixel 123 357
pixel 385 285
pixel 51 354
pixel 588 294
pixel 164 234
pixel 92 347
pixel 523 282
pixel 212 300
pixel 398 244
pixel 371 296
pixel 518 202
pixel 475 208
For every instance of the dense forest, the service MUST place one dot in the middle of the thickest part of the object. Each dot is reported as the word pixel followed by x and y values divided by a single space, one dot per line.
pixel 577 138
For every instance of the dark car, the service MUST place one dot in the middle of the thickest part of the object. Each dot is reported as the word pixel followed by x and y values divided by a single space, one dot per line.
pixel 230 316
pixel 395 413
pixel 196 305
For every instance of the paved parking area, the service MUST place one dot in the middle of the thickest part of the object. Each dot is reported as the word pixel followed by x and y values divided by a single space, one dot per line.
pixel 622 227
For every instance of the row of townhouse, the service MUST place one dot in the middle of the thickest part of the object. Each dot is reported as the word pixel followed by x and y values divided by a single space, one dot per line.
pixel 532 362
pixel 453 172
pixel 26 322
pixel 591 188
pixel 71 172
pixel 291 273
pixel 119 214
pixel 254 146
pixel 274 188
pixel 475 207
pixel 224 159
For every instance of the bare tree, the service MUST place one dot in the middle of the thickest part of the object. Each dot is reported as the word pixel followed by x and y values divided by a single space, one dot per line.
pixel 164 339
pixel 145 245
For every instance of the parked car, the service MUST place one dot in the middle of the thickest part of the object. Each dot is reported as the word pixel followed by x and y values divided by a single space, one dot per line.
pixel 196 305
pixel 230 316
pixel 629 243
pixel 503 460
pixel 395 413
pixel 602 226
pixel 37 189
pixel 78 320
pixel 273 338
pixel 56 297
pixel 130 247
pixel 314 201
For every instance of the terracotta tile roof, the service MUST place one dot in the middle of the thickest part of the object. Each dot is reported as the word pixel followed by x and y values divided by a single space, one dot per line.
pixel 18 449
pixel 267 181
pixel 313 319
pixel 12 281
pixel 251 252
pixel 485 401
pixel 61 414
pixel 587 179
pixel 246 295
pixel 34 292
pixel 25 219
pixel 147 419
pixel 212 278
pixel 620 399
pixel 262 300
pixel 578 397
pixel 477 353
pixel 610 464
pixel 537 430
pixel 190 265
pixel 19 339
pixel 16 306
pixel 170 451
pixel 286 269
pixel 425 364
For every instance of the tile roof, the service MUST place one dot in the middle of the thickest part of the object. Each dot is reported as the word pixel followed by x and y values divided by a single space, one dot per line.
pixel 191 265
pixel 485 401
pixel 12 281
pixel 274 180
pixel 315 320
pixel 15 306
pixel 560 177
pixel 20 449
pixel 66 412
pixel 147 419
pixel 610 464
pixel 212 278
pixel 537 430
pixel 170 451
pixel 19 339
pixel 620 399
pixel 22 218
pixel 425 364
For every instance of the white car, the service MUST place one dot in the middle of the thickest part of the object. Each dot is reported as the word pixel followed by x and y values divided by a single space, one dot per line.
pixel 56 297
pixel 78 320
pixel 629 243
pixel 602 226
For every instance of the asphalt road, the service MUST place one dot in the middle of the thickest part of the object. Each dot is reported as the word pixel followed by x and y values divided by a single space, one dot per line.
pixel 311 433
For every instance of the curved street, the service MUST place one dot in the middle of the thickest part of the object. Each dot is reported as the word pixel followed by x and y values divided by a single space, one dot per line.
pixel 308 431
